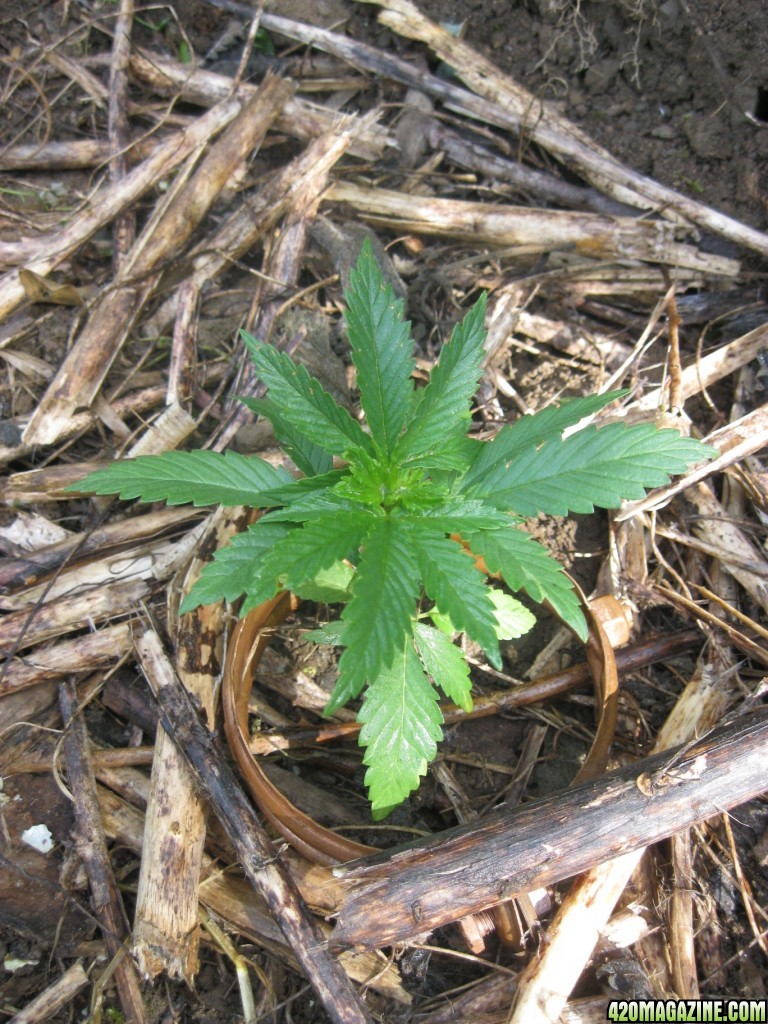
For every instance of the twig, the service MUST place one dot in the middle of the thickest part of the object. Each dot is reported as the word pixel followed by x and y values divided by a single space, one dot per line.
pixel 256 853
pixel 124 227
pixel 92 847
pixel 54 997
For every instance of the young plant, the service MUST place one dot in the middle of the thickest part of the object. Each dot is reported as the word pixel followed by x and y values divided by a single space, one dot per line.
pixel 395 531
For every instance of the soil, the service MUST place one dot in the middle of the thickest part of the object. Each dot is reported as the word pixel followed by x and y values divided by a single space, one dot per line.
pixel 678 90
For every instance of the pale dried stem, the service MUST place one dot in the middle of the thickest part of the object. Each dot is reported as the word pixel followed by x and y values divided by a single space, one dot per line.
pixel 111 319
pixel 530 230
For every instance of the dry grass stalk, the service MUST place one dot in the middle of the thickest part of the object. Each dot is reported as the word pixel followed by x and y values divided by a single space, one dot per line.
pixel 299 119
pixel 30 626
pixel 55 997
pixel 118 129
pixel 257 856
pixel 530 230
pixel 42 255
pixel 86 654
pixel 166 934
pixel 92 847
pixel 233 900
pixel 260 213
pixel 112 317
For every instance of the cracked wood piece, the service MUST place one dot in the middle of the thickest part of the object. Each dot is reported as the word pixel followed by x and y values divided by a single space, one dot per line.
pixel 432 882
pixel 256 853
pixel 78 380
pixel 531 230
pixel 91 844
pixel 166 931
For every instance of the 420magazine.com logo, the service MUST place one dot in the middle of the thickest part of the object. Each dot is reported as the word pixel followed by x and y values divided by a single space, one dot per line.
pixel 694 1010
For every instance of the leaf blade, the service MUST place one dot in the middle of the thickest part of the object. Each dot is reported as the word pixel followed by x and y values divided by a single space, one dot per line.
pixel 379 613
pixel 594 467
pixel 304 402
pixel 445 402
pixel 401 723
pixel 381 350
pixel 525 565
pixel 456 586
pixel 196 477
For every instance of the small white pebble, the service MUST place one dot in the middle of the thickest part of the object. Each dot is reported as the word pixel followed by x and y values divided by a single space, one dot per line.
pixel 38 837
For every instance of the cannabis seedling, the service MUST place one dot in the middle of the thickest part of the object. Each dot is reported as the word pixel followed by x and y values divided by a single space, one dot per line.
pixel 396 531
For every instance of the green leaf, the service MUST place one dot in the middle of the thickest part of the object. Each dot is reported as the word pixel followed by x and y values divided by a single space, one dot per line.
pixel 445 401
pixel 317 545
pixel 304 402
pixel 199 477
pixel 307 456
pixel 381 350
pixel 237 568
pixel 379 613
pixel 526 565
pixel 329 634
pixel 456 586
pixel 444 663
pixel 594 467
pixel 329 585
pixel 513 618
pixel 455 515
pixel 533 431
pixel 401 728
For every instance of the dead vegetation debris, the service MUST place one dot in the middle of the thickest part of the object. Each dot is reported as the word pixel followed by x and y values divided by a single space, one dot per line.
pixel 164 183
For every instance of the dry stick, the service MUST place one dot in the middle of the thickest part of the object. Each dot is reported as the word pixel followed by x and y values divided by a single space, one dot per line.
pixel 298 119
pixel 166 933
pixel 522 112
pixel 124 227
pixel 234 901
pixel 23 572
pixel 547 982
pixel 66 614
pixel 261 212
pixel 530 230
pixel 87 653
pixel 92 847
pixel 81 374
pixel 54 997
pixel 681 944
pixel 255 851
pixel 412 889
pixel 46 253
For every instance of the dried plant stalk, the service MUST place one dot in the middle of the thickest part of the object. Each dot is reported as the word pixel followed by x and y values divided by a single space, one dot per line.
pixel 87 653
pixel 530 230
pixel 85 367
pixel 166 933
pixel 403 893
